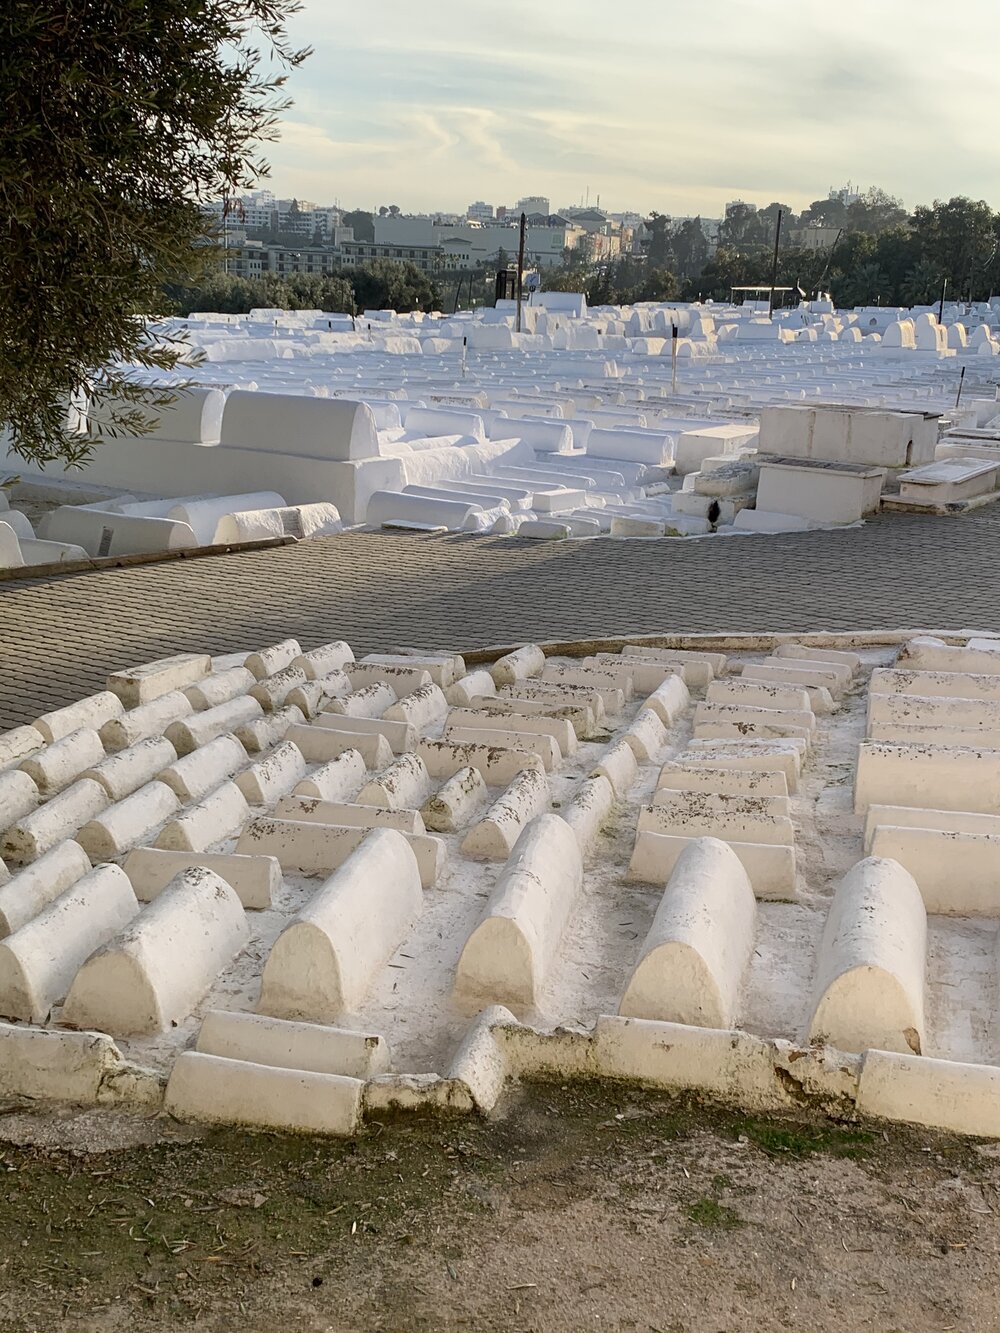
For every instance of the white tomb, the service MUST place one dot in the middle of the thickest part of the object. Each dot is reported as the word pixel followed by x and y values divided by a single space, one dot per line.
pixel 824 492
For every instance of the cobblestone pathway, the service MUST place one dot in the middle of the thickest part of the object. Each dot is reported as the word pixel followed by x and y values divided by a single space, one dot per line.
pixel 60 637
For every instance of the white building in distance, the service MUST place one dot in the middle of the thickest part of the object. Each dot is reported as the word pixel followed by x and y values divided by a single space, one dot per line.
pixel 431 243
pixel 534 203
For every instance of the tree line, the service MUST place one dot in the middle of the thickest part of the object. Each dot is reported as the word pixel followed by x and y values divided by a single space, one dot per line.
pixel 382 284
pixel 875 253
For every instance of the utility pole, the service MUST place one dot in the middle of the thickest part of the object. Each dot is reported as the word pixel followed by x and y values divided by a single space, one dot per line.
pixel 520 269
pixel 944 293
pixel 836 241
pixel 774 268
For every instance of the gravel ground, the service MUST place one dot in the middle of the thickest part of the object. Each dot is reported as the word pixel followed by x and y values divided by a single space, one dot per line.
pixel 579 1207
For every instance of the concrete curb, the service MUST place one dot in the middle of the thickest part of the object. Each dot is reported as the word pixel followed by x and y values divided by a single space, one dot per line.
pixel 693 640
pixel 95 564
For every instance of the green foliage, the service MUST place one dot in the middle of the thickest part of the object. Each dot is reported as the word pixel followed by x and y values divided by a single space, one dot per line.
pixel 881 256
pixel 824 213
pixel 922 283
pixel 726 269
pixel 382 285
pixel 681 248
pixel 363 224
pixel 621 281
pixel 658 226
pixel 874 212
pixel 570 278
pixel 713 1216
pixel 800 1139
pixel 385 284
pixel 689 248
pixel 238 296
pixel 120 119
pixel 743 228
pixel 958 240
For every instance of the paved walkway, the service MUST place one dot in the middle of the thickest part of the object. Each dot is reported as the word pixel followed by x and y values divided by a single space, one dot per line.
pixel 60 637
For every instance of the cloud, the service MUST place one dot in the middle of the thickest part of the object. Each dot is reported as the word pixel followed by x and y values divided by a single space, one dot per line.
pixel 682 108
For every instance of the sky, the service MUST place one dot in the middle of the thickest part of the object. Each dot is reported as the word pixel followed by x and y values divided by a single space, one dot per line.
pixel 674 105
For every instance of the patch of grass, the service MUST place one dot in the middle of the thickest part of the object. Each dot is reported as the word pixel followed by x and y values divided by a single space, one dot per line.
pixel 178 1224
pixel 805 1140
pixel 621 1112
pixel 713 1216
pixel 173 1229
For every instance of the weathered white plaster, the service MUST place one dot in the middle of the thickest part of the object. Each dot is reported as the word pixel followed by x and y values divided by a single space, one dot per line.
pixel 346 814
pixel 340 779
pixel 126 771
pixel 190 733
pixel 142 684
pixel 324 959
pixel 39 960
pixel 619 766
pixel 699 944
pixel 213 1090
pixel 31 890
pixel 216 817
pixel 269 661
pixel 282 1044
pixel 18 797
pixel 91 712
pixel 264 782
pixel 58 819
pixel 204 769
pixel 401 737
pixel 321 745
pixel 273 691
pixel 521 664
pixel 220 688
pixel 316 848
pixel 254 879
pixel 455 802
pixel 770 866
pixel 405 784
pixel 154 972
pixel 507 956
pixel 931 777
pixel 128 822
pixel 263 732
pixel 494 836
pixel 942 1094
pixel 869 985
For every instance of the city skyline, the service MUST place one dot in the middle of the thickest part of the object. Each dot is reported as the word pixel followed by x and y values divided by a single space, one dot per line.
pixel 437 112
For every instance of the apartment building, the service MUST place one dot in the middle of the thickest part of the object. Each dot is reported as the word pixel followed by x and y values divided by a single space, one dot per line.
pixel 475 243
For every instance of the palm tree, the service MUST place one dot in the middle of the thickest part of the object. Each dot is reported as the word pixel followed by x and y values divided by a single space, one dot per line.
pixel 922 283
pixel 863 285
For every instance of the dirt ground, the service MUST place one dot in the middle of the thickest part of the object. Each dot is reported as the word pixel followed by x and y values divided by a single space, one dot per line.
pixel 577 1208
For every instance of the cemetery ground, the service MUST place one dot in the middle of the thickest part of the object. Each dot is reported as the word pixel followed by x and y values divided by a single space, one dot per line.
pixel 573 1207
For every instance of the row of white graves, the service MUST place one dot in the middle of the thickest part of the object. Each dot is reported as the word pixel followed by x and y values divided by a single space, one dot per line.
pixel 291 887
pixel 563 322
pixel 461 424
pixel 21 546
pixel 122 525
